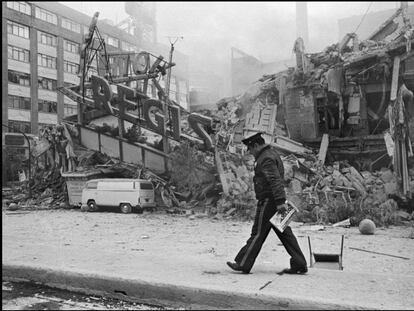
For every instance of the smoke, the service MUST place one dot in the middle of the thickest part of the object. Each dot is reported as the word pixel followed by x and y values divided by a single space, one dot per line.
pixel 265 30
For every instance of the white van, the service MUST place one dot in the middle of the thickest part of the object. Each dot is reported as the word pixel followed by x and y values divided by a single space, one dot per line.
pixel 125 193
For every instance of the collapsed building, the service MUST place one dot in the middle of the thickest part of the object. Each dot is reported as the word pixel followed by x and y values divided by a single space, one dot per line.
pixel 352 104
pixel 342 120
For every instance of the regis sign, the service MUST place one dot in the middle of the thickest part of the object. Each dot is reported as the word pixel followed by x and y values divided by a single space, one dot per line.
pixel 103 98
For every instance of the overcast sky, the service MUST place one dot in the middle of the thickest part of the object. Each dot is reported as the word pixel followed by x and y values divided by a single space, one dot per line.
pixel 265 30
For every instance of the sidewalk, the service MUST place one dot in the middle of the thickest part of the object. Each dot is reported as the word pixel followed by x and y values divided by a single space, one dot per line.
pixel 164 259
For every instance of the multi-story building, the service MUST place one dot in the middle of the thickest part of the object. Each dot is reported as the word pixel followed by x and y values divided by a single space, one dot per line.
pixel 40 52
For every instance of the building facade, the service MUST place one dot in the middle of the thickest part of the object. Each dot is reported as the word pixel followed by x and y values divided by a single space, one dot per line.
pixel 370 22
pixel 40 52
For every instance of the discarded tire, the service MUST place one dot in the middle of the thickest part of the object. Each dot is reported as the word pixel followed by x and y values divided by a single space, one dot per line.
pixel 13 207
pixel 366 226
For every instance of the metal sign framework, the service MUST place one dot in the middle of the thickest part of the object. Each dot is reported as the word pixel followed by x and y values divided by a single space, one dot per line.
pixel 120 68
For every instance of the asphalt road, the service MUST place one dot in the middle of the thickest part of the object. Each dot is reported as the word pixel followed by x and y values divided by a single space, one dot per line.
pixel 30 296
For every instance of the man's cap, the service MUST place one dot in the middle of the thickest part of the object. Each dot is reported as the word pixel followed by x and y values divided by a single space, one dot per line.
pixel 248 141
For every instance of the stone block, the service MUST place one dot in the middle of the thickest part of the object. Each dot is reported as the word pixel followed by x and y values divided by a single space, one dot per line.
pixel 390 187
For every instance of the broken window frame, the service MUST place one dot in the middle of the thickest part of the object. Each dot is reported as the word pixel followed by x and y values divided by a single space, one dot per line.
pixel 20 78
pixel 47 84
pixel 47 106
pixel 19 126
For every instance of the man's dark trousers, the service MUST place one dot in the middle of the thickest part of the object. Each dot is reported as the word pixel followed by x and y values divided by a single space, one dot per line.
pixel 247 255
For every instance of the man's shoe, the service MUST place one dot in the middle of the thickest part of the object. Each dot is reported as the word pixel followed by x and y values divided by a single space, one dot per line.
pixel 236 267
pixel 294 271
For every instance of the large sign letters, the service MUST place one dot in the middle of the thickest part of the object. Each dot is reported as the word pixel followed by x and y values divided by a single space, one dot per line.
pixel 153 117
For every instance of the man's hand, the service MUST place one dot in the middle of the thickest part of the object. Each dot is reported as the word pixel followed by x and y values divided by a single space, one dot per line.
pixel 282 208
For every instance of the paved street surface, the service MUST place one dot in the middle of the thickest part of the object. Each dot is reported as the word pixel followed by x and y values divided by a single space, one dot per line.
pixel 175 261
pixel 30 296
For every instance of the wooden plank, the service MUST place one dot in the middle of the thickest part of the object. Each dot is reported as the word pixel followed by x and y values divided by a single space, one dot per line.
pixel 222 174
pixel 389 143
pixel 394 83
pixel 323 149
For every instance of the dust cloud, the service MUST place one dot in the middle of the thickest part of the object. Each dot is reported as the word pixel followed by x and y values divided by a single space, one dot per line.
pixel 264 30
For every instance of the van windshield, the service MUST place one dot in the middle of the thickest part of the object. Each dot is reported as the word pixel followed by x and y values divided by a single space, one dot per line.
pixel 146 186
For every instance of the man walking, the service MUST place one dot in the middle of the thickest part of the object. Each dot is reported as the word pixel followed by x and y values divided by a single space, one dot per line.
pixel 270 193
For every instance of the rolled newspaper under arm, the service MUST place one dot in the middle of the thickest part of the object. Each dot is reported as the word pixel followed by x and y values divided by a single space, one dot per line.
pixel 282 220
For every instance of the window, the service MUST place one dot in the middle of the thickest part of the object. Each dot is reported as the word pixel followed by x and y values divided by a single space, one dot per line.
pixel 46 16
pixel 47 39
pixel 71 25
pixel 46 61
pixel 70 110
pixel 70 46
pixel 92 185
pixel 70 67
pixel 113 41
pixel 19 126
pixel 47 84
pixel 128 47
pixel 19 54
pixel 17 29
pixel 47 106
pixel 18 102
pixel 146 186
pixel 20 6
pixel 19 77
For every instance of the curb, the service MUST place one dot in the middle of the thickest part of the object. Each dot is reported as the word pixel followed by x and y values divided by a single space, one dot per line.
pixel 162 294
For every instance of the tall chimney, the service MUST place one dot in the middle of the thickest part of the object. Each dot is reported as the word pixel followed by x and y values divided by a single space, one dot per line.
pixel 302 22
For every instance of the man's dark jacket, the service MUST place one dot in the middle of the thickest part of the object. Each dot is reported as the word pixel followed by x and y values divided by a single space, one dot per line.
pixel 269 175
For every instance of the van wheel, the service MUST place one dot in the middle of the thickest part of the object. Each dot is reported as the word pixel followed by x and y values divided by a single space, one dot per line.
pixel 92 206
pixel 126 208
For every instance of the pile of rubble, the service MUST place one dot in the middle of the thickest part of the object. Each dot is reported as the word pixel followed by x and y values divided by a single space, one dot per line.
pixel 329 194
pixel 48 191
pixel 221 185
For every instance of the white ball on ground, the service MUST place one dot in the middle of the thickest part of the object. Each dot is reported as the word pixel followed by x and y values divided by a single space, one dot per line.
pixel 367 226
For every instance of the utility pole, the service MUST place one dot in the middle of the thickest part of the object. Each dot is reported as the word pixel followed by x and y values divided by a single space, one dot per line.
pixel 167 86
pixel 404 8
pixel 167 91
